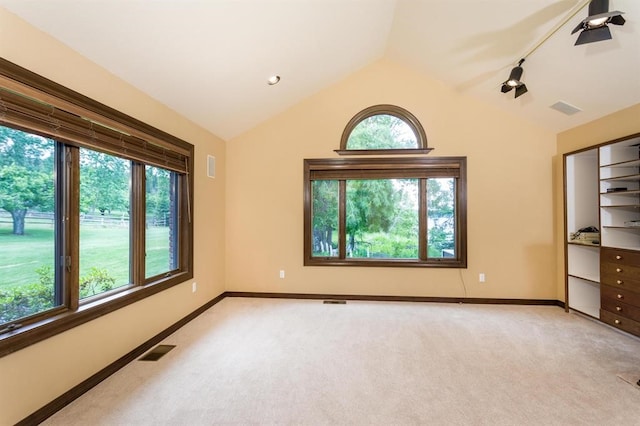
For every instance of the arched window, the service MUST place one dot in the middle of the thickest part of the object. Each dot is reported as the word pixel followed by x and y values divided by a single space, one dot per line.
pixel 388 211
pixel 383 129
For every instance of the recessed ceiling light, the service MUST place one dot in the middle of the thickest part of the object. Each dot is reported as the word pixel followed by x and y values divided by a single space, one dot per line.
pixel 274 79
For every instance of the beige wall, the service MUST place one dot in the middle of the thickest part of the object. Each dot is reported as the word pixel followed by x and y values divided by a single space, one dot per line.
pixel 514 206
pixel 36 375
pixel 620 124
pixel 510 203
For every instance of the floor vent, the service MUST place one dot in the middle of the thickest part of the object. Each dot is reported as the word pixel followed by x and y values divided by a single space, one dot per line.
pixel 157 353
pixel 334 302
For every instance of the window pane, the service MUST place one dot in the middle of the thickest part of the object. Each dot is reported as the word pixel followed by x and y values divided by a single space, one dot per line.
pixel 161 245
pixel 105 183
pixel 441 224
pixel 27 225
pixel 382 218
pixel 382 131
pixel 324 216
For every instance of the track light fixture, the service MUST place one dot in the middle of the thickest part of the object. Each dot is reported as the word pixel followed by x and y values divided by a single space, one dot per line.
pixel 514 82
pixel 594 27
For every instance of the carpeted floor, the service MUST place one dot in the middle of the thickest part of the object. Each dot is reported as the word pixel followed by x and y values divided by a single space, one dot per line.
pixel 266 361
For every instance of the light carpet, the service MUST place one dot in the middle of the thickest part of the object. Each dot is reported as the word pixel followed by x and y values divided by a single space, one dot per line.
pixel 275 361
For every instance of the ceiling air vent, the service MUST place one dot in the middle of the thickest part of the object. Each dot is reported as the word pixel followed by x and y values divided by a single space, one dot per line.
pixel 565 108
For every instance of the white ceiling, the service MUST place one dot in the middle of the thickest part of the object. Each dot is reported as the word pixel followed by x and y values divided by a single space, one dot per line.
pixel 209 59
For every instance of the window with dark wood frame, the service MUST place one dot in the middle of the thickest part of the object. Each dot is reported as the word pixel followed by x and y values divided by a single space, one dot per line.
pixel 340 173
pixel 31 104
pixel 393 211
pixel 404 116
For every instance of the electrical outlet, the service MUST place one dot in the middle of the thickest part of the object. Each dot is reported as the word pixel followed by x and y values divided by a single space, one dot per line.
pixel 194 287
pixel 481 277
pixel 281 273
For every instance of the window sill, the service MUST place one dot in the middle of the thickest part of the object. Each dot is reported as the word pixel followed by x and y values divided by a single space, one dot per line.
pixel 414 151
pixel 411 263
pixel 65 319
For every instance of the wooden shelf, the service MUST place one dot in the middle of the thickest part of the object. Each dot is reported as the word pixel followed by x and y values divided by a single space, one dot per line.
pixel 633 228
pixel 625 178
pixel 593 280
pixel 583 244
pixel 623 206
pixel 627 192
pixel 630 163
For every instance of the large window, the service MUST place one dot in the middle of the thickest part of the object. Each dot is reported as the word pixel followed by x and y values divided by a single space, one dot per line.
pixel 394 211
pixel 161 221
pixel 105 191
pixel 95 209
pixel 28 217
pixel 385 212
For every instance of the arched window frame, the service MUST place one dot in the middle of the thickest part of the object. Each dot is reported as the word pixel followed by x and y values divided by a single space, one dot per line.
pixel 385 109
pixel 391 164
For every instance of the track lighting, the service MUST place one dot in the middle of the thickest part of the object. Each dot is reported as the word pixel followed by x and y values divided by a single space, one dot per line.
pixel 514 81
pixel 594 27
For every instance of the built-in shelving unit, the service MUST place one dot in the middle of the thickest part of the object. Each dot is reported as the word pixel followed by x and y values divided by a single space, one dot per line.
pixel 602 192
pixel 582 255
pixel 620 194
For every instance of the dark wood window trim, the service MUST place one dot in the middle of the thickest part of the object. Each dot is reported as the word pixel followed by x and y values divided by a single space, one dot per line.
pixel 406 167
pixel 417 151
pixel 385 109
pixel 26 97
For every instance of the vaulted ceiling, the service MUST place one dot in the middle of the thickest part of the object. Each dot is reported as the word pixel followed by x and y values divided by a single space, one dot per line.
pixel 209 59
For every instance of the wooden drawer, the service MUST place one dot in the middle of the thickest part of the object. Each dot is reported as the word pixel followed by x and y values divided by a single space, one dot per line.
pixel 620 270
pixel 620 294
pixel 620 322
pixel 614 255
pixel 620 308
pixel 618 281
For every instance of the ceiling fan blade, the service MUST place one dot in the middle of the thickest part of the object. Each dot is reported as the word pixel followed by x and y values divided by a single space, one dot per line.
pixel 521 90
pixel 505 88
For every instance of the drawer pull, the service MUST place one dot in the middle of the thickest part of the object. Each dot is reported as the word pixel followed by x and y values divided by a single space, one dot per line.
pixel 618 322
pixel 620 282
pixel 619 308
pixel 618 257
pixel 620 296
pixel 618 270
